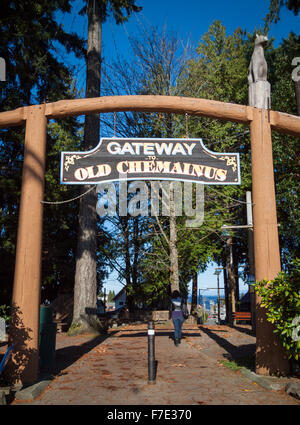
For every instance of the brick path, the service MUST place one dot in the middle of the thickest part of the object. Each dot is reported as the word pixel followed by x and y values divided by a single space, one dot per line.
pixel 113 371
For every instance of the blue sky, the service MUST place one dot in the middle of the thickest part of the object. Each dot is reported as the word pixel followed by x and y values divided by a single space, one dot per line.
pixel 190 20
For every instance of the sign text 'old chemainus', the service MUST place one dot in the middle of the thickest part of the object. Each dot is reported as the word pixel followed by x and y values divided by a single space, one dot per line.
pixel 150 159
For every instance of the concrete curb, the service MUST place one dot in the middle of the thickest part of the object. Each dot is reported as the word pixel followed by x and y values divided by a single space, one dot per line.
pixel 273 383
pixel 6 390
pixel 2 398
pixel 32 391
pixel 293 389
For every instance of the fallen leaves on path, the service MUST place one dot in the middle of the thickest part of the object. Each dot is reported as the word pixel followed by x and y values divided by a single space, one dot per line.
pixel 191 344
pixel 100 350
pixel 105 374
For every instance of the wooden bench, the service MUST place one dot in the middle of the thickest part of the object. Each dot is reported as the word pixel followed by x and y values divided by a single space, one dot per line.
pixel 160 315
pixel 61 321
pixel 242 315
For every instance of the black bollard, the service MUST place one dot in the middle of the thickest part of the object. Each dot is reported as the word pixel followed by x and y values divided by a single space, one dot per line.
pixel 151 353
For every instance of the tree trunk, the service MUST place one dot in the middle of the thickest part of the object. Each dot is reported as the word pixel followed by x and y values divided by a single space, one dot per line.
pixel 129 298
pixel 174 273
pixel 85 290
pixel 194 293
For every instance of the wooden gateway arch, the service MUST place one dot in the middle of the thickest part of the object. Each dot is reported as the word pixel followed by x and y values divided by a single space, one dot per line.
pixel 24 329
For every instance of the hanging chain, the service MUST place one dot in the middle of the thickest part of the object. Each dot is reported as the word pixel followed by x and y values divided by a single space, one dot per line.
pixel 186 125
pixel 69 200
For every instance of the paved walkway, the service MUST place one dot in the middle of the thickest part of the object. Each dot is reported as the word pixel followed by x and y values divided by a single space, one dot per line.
pixel 113 370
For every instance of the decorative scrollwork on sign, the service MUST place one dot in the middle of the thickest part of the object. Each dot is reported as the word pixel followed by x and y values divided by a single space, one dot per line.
pixel 152 159
pixel 70 160
pixel 230 161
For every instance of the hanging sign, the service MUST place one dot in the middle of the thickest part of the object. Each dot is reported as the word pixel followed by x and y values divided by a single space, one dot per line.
pixel 150 159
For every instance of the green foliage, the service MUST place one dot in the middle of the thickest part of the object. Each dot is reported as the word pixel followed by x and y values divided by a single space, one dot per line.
pixel 281 298
pixel 247 362
pixel 110 296
pixel 30 36
pixel 95 325
pixel 74 329
pixel 4 312
pixel 274 10
pixel 219 72
pixel 120 10
pixel 60 220
pixel 286 149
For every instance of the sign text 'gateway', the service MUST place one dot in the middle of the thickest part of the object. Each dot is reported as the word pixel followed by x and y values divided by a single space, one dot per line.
pixel 150 159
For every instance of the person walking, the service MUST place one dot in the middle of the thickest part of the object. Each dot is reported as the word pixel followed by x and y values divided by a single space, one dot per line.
pixel 177 312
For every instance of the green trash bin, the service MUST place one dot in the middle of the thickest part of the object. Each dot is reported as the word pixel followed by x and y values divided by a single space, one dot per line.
pixel 47 337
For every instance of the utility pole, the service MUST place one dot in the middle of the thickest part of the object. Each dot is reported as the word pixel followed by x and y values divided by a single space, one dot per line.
pixel 231 280
pixel 217 272
pixel 226 289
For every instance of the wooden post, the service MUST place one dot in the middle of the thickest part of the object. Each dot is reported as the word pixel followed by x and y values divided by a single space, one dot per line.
pixel 270 356
pixel 24 329
pixel 251 258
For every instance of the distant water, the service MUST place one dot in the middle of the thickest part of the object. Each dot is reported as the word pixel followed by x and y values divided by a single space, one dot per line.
pixel 207 300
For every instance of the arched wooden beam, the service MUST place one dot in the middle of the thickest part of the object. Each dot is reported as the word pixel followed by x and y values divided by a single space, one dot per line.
pixel 281 122
pixel 14 117
pixel 167 104
pixel 285 123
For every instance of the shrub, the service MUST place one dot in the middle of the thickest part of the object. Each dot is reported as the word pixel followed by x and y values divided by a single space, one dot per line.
pixel 4 312
pixel 281 298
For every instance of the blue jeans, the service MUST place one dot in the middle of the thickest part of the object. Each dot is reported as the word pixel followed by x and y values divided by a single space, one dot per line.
pixel 178 327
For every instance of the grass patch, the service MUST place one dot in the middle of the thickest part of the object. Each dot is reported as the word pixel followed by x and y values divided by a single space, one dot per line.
pixel 230 364
pixel 74 329
pixel 237 364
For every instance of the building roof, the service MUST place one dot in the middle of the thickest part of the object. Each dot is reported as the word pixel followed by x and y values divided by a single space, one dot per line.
pixel 119 294
pixel 246 298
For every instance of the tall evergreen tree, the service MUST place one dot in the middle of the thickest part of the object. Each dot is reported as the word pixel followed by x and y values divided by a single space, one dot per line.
pixel 85 290
pixel 30 34
pixel 274 10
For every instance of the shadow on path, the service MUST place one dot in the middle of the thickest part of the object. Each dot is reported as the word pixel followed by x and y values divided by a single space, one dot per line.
pixel 169 333
pixel 244 330
pixel 235 352
pixel 66 356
